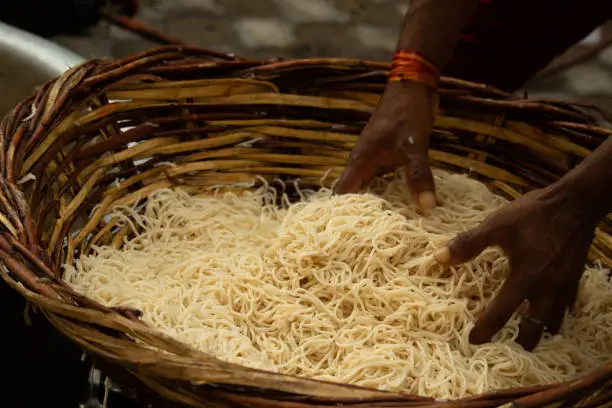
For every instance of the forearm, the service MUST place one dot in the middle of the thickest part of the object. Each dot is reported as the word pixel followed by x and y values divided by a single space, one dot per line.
pixel 433 28
pixel 590 183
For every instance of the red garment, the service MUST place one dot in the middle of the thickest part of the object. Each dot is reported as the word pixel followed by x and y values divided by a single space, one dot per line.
pixel 508 41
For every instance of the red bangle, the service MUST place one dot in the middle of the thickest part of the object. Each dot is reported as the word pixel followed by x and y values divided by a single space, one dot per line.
pixel 410 66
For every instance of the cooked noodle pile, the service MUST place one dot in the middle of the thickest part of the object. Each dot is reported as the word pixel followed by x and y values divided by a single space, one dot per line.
pixel 338 288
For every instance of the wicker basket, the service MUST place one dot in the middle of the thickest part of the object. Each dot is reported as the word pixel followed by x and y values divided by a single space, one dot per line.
pixel 69 152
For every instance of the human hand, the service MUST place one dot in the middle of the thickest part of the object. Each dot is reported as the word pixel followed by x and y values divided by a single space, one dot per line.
pixel 546 236
pixel 397 135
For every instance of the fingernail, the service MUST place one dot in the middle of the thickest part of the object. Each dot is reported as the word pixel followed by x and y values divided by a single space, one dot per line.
pixel 442 255
pixel 427 201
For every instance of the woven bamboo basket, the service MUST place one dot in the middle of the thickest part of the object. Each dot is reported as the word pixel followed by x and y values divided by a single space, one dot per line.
pixel 102 134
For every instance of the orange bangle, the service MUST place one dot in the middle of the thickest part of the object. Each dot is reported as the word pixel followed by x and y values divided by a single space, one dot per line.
pixel 410 66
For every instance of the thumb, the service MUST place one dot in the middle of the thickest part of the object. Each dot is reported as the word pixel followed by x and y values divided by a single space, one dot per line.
pixel 464 247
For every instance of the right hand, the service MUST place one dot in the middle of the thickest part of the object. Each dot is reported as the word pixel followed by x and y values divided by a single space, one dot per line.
pixel 397 135
pixel 546 235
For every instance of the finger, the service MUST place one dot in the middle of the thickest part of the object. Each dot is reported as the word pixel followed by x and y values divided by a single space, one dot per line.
pixel 500 310
pixel 542 312
pixel 571 295
pixel 465 246
pixel 555 319
pixel 419 177
pixel 565 296
pixel 424 192
pixel 357 173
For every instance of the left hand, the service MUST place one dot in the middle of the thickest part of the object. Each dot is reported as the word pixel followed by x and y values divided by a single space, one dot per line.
pixel 397 135
pixel 546 236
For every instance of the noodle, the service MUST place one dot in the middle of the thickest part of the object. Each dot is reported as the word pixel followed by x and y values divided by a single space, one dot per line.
pixel 337 288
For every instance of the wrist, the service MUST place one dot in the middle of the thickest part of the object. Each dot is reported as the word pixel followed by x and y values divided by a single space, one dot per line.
pixel 587 186
pixel 570 193
pixel 399 96
pixel 409 89
pixel 411 66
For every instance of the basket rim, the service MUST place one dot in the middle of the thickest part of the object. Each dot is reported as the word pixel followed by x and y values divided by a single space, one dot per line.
pixel 19 246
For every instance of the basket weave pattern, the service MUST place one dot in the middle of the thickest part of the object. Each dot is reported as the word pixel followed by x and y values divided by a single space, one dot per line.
pixel 109 133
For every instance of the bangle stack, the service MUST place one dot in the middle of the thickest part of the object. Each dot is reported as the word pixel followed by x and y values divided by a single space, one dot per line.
pixel 410 66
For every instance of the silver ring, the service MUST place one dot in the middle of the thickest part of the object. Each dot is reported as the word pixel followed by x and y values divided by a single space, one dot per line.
pixel 533 320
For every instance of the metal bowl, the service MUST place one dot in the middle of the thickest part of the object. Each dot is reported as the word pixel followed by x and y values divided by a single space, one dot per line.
pixel 27 61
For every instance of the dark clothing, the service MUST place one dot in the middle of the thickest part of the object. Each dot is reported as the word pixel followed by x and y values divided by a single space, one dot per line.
pixel 509 41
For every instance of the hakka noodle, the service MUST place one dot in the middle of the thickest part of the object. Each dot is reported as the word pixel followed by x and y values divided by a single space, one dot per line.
pixel 337 288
